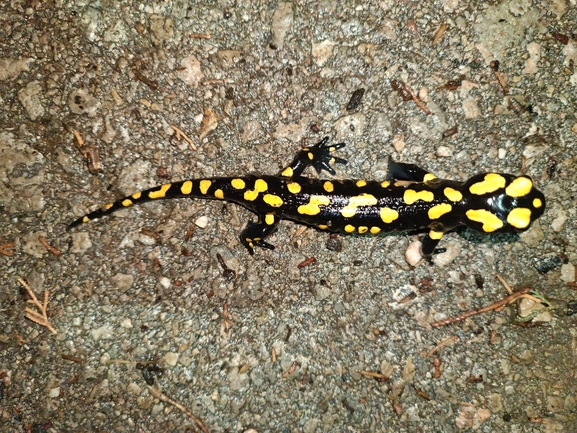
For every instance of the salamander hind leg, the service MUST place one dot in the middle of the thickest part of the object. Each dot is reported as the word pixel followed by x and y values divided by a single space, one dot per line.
pixel 254 234
pixel 317 156
pixel 410 172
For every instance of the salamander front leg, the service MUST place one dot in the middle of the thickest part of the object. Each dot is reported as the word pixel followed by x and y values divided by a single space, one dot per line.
pixel 317 156
pixel 254 234
pixel 429 245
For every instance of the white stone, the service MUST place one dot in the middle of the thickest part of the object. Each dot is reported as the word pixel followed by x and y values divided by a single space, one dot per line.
pixel 322 51
pixel 568 272
pixel 202 221
pixel 29 97
pixel 171 358
pixel 282 21
pixel 190 71
pixel 10 68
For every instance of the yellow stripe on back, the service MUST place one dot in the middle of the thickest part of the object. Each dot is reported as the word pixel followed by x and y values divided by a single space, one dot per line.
pixel 411 196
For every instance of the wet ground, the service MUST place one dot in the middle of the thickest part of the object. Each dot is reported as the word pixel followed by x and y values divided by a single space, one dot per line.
pixel 152 331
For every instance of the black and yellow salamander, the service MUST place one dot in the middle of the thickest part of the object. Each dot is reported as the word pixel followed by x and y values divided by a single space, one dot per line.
pixel 409 199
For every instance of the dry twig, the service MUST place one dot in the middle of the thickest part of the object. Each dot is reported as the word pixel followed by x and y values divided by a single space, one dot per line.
pixel 407 94
pixel 39 316
pixel 49 247
pixel 439 33
pixel 441 345
pixel 505 301
pixel 8 248
pixel 199 36
pixel 374 375
pixel 495 67
pixel 291 370
pixel 180 135
pixel 159 395
pixel 79 139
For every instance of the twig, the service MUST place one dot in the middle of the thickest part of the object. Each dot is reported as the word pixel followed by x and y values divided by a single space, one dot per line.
pixel 407 94
pixel 439 33
pixel 509 299
pixel 291 370
pixel 8 248
pixel 49 247
pixel 180 134
pixel 40 316
pixel 374 375
pixel 495 67
pixel 504 283
pixel 159 395
pixel 441 345
pixel 79 139
pixel 437 364
pixel 199 36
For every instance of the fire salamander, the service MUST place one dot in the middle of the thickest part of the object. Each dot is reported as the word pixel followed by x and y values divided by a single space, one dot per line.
pixel 410 198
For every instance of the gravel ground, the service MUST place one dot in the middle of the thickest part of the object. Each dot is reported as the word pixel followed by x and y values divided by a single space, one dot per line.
pixel 152 332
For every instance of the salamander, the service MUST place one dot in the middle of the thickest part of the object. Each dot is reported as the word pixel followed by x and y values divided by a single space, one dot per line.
pixel 409 199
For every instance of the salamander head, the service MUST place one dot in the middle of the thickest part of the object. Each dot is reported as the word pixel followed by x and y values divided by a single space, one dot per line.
pixel 502 203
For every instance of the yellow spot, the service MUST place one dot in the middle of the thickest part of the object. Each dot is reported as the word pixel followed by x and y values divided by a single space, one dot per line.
pixel 520 187
pixel 108 206
pixel 272 200
pixel 428 177
pixel 186 187
pixel 492 183
pixel 311 156
pixel 435 235
pixel 354 202
pixel 237 183
pixel 332 149
pixel 385 184
pixel 126 202
pixel 375 230
pixel 260 185
pixel 439 210
pixel 349 228
pixel 136 195
pixel 453 194
pixel 287 172
pixel 491 222
pixel 85 219
pixel 219 194
pixel 363 229
pixel 269 219
pixel 205 185
pixel 388 215
pixel 160 193
pixel 312 207
pixel 360 184
pixel 250 195
pixel 323 226
pixel 328 186
pixel 294 187
pixel 537 203
pixel 411 196
pixel 348 211
pixel 519 218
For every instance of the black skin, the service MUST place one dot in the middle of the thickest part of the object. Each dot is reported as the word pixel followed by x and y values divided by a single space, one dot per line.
pixel 409 199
